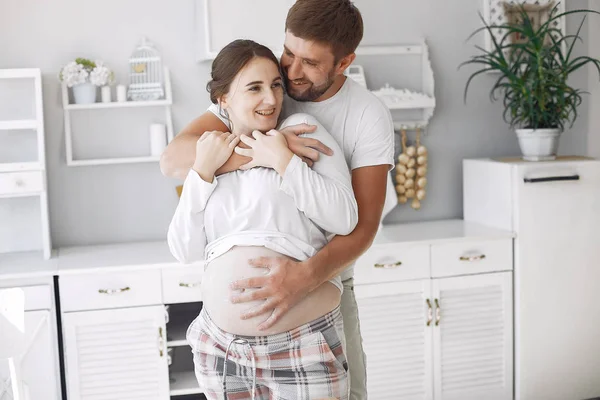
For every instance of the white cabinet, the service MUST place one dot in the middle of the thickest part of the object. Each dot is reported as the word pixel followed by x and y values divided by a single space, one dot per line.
pixel 472 337
pixel 554 209
pixel 446 335
pixel 37 364
pixel 116 354
pixel 397 339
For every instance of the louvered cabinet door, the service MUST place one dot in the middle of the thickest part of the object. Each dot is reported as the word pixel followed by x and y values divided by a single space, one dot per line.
pixel 472 342
pixel 396 339
pixel 116 354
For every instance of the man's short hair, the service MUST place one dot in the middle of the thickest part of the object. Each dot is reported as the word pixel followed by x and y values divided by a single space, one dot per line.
pixel 337 23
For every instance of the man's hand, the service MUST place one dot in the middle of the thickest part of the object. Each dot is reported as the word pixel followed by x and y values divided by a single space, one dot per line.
pixel 283 287
pixel 268 150
pixel 288 282
pixel 306 148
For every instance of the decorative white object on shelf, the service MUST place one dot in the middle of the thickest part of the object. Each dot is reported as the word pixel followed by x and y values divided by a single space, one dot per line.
pixel 494 14
pixel 145 73
pixel 121 93
pixel 399 99
pixel 28 179
pixel 403 99
pixel 84 76
pixel 105 94
pixel 120 103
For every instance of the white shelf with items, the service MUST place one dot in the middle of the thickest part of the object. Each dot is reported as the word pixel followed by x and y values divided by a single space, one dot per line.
pixel 166 103
pixel 28 178
pixel 404 99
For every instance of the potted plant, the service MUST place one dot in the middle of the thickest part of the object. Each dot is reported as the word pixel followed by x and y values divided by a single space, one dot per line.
pixel 84 76
pixel 534 63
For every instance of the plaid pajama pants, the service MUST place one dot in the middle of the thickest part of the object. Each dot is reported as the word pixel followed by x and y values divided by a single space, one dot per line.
pixel 306 363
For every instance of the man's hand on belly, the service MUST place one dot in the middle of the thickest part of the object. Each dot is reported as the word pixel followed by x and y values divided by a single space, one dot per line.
pixel 286 284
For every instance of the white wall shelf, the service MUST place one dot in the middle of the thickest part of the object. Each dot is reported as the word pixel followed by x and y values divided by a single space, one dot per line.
pixel 110 161
pixel 402 99
pixel 166 103
pixel 28 179
pixel 20 166
pixel 114 104
pixel 18 125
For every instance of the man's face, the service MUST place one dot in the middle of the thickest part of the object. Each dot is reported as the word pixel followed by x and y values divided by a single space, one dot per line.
pixel 308 68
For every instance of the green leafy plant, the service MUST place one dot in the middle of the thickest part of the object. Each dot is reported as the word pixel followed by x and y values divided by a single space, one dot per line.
pixel 533 71
pixel 89 65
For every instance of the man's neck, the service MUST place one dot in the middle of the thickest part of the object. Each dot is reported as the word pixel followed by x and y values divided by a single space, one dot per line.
pixel 333 89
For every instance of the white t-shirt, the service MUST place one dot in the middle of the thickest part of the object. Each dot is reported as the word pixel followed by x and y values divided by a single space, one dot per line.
pixel 360 124
pixel 295 215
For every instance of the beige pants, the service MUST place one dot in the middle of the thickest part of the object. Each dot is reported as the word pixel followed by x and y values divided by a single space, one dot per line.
pixel 354 350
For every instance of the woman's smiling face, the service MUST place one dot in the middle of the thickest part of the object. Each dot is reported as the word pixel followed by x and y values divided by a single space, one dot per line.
pixel 255 97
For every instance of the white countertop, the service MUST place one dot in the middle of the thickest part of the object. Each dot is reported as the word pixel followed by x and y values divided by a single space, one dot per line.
pixel 144 255
pixel 437 231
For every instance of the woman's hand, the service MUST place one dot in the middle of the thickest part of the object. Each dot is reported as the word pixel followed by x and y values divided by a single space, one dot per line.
pixel 212 151
pixel 266 150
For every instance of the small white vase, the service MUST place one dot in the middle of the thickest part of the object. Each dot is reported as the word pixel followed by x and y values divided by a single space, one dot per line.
pixel 538 144
pixel 84 93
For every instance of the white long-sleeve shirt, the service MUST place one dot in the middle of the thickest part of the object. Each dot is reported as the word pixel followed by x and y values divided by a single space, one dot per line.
pixel 295 215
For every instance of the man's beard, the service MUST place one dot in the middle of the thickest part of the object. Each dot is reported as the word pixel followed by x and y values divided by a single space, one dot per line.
pixel 312 93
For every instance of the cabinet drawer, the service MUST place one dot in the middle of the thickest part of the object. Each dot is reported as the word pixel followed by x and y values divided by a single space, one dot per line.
pixel 21 182
pixel 38 297
pixel 387 263
pixel 182 284
pixel 471 257
pixel 110 290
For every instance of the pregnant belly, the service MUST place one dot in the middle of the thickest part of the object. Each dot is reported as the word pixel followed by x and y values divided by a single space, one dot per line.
pixel 232 266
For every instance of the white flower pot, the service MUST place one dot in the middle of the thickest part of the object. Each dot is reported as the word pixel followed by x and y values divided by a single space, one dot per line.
pixel 538 144
pixel 84 93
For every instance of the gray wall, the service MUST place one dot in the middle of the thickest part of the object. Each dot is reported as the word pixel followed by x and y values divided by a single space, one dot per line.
pixel 117 203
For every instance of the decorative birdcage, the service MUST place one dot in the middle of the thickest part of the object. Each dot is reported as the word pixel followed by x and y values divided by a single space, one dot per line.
pixel 145 73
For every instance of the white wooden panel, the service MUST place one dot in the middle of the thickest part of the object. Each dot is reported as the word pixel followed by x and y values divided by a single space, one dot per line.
pixel 110 290
pixel 557 272
pixel 116 354
pixel 487 193
pixel 182 284
pixel 473 341
pixel 38 364
pixel 219 22
pixel 471 257
pixel 392 262
pixel 396 339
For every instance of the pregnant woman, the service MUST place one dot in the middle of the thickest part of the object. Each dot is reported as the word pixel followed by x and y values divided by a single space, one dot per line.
pixel 278 208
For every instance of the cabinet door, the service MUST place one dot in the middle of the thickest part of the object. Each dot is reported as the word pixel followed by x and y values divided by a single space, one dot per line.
pixel 473 337
pixel 557 321
pixel 37 365
pixel 116 354
pixel 396 339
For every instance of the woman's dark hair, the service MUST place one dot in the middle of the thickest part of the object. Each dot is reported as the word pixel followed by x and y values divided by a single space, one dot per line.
pixel 230 60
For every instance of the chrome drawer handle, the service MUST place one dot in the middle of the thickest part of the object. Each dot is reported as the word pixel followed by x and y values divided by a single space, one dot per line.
pixel 190 285
pixel 438 311
pixel 19 183
pixel 114 291
pixel 429 312
pixel 472 258
pixel 388 266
